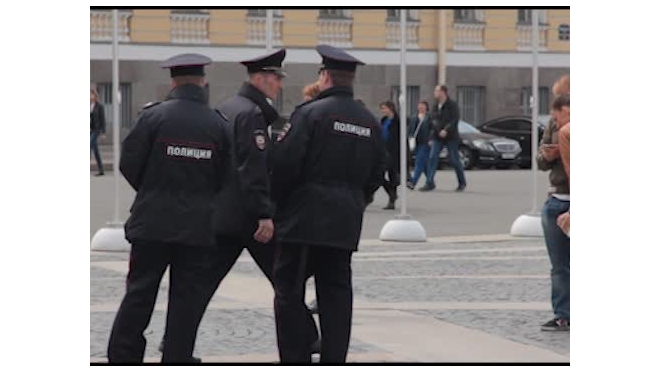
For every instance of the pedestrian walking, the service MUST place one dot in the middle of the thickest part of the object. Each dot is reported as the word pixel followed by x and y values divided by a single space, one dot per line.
pixel 445 118
pixel 96 127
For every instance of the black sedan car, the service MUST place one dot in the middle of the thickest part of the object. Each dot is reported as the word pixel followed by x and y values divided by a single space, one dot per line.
pixel 483 150
pixel 518 128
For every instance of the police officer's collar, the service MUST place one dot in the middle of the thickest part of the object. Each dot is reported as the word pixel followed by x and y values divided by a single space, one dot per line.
pixel 336 90
pixel 259 98
pixel 190 92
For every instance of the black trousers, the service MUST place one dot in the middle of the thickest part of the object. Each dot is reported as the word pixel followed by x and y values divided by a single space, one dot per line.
pixel 190 277
pixel 225 256
pixel 331 268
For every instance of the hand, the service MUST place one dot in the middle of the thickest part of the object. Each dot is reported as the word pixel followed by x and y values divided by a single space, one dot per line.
pixel 564 222
pixel 265 230
pixel 443 134
pixel 550 152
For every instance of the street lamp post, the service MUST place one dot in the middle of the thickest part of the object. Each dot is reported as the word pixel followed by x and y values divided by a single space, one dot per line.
pixel 403 228
pixel 112 238
pixel 529 225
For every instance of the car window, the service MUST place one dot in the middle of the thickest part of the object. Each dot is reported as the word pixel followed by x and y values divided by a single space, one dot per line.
pixel 465 128
pixel 524 126
pixel 503 125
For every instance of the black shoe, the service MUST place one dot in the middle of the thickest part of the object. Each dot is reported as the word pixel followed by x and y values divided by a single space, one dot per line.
pixel 559 324
pixel 314 307
pixel 99 174
pixel 461 187
pixel 192 360
pixel 390 206
pixel 426 188
pixel 410 185
pixel 316 347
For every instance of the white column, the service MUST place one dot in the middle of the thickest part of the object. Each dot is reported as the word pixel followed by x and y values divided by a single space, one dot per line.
pixel 269 30
pixel 442 66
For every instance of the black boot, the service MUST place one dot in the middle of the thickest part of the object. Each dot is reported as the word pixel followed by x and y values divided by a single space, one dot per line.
pixel 390 205
pixel 192 360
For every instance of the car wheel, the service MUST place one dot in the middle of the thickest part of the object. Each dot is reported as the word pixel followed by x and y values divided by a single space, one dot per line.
pixel 466 156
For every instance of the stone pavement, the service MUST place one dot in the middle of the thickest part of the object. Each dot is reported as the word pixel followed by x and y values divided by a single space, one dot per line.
pixel 451 299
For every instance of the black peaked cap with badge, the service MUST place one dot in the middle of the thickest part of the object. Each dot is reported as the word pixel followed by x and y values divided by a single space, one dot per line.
pixel 337 59
pixel 267 63
pixel 188 64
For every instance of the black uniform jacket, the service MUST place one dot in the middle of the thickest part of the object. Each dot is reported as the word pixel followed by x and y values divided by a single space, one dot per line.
pixel 330 159
pixel 175 158
pixel 247 196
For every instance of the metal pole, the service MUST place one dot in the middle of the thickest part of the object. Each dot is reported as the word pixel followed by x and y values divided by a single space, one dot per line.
pixel 534 105
pixel 442 65
pixel 115 110
pixel 403 121
pixel 269 30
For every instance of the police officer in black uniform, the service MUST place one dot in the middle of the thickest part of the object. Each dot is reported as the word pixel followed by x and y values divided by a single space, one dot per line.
pixel 174 158
pixel 326 166
pixel 244 207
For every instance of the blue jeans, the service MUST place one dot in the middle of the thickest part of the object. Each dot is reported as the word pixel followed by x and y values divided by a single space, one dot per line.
pixel 94 147
pixel 421 161
pixel 454 160
pixel 559 250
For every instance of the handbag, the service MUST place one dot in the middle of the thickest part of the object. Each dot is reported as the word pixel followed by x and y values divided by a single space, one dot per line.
pixel 412 142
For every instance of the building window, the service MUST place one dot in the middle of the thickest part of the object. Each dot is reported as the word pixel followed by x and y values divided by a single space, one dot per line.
pixel 471 103
pixel 256 12
pixel 544 100
pixel 190 11
pixel 525 16
pixel 395 14
pixel 105 96
pixel 564 32
pixel 466 16
pixel 334 13
pixel 412 99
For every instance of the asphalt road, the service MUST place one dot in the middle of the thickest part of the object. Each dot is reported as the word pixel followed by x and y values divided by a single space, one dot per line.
pixel 490 204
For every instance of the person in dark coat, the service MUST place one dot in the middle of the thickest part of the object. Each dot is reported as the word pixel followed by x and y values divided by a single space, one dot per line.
pixel 420 131
pixel 326 165
pixel 244 207
pixel 96 127
pixel 174 158
pixel 391 133
pixel 445 118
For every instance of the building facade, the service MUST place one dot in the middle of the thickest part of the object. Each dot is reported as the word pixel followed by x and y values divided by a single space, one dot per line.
pixel 482 55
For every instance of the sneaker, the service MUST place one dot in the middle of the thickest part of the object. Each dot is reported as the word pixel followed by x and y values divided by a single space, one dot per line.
pixel 461 187
pixel 559 324
pixel 410 185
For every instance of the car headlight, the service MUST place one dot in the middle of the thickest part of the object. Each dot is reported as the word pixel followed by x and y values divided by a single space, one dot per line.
pixel 482 144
